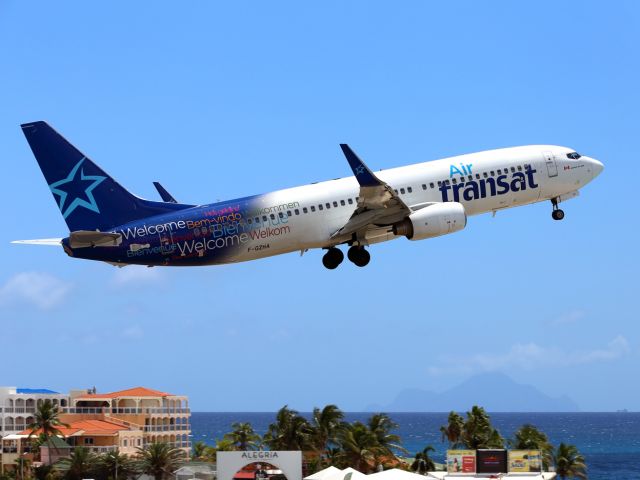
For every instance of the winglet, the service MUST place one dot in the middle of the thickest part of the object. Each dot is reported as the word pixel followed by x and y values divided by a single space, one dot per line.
pixel 166 196
pixel 365 177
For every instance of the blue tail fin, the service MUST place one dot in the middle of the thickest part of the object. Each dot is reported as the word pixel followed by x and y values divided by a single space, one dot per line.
pixel 88 198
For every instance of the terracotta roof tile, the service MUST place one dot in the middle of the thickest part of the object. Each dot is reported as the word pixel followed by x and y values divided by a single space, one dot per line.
pixel 89 427
pixel 131 392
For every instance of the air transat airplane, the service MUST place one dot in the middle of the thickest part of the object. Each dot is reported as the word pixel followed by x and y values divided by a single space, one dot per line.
pixel 424 200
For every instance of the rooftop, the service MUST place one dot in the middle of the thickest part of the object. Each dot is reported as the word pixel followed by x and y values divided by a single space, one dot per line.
pixel 31 391
pixel 87 427
pixel 131 392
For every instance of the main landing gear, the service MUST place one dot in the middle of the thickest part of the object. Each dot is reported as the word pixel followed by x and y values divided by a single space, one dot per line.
pixel 334 257
pixel 358 256
pixel 556 214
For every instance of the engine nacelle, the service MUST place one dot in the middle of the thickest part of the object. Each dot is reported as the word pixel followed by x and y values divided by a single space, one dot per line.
pixel 432 221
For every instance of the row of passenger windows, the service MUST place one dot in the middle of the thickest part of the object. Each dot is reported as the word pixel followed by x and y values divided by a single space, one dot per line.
pixel 401 191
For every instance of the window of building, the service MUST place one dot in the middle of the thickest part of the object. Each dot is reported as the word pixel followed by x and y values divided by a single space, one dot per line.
pixel 88 440
pixel 125 443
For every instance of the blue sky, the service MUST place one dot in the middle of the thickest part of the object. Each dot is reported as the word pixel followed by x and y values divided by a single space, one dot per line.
pixel 224 99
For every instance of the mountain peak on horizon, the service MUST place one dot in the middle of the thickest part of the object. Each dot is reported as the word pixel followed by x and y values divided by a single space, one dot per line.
pixel 495 391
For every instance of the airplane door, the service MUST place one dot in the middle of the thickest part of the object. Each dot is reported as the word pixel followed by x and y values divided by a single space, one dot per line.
pixel 552 167
pixel 166 243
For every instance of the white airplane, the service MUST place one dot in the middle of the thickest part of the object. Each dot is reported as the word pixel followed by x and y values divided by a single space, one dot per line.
pixel 420 201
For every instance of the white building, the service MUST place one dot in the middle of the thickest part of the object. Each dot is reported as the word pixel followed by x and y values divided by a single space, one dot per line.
pixel 17 406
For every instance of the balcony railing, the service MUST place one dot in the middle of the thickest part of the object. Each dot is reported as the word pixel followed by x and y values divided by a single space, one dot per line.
pixel 166 428
pixel 18 410
pixel 127 410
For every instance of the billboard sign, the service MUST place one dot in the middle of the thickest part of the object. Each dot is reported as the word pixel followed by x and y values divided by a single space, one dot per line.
pixel 492 461
pixel 523 461
pixel 461 461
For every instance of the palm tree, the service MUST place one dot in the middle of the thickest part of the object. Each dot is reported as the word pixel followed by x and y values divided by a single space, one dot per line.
pixel 423 463
pixel 82 463
pixel 477 431
pixel 199 450
pixel 453 430
pixel 289 432
pixel 243 436
pixel 159 460
pixel 569 463
pixel 117 466
pixel 381 426
pixel 359 447
pixel 326 423
pixel 43 472
pixel 46 422
pixel 23 467
pixel 529 437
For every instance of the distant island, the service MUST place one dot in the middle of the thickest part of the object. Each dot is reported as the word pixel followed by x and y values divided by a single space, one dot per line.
pixel 496 391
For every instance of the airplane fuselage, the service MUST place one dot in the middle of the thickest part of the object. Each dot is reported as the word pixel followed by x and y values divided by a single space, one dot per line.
pixel 306 217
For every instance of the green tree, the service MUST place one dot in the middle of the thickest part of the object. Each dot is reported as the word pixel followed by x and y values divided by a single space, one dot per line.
pixel 381 426
pixel 423 463
pixel 243 437
pixel 82 463
pixel 359 447
pixel 569 463
pixel 23 468
pixel 46 423
pixel 160 460
pixel 452 431
pixel 290 431
pixel 43 472
pixel 198 450
pixel 528 437
pixel 477 431
pixel 325 426
pixel 115 465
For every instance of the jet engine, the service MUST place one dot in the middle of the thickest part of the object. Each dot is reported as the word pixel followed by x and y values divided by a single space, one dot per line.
pixel 432 221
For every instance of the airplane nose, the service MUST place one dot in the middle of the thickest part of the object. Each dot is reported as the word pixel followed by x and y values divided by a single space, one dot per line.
pixel 596 167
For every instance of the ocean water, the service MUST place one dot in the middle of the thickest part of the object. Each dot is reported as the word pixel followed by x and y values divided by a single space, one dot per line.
pixel 610 442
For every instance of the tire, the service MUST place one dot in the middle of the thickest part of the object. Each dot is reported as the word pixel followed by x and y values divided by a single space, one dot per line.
pixel 557 214
pixel 332 258
pixel 362 258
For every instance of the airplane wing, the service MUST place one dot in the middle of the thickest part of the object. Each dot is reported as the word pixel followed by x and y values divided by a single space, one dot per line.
pixel 378 204
pixel 166 196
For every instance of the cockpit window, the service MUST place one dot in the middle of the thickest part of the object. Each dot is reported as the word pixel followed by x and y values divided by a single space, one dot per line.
pixel 574 155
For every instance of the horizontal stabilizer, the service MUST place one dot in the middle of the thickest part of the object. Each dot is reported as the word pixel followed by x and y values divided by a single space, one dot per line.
pixel 41 241
pixel 166 196
pixel 88 238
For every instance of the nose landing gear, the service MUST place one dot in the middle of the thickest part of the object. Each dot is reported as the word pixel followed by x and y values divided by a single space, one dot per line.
pixel 556 214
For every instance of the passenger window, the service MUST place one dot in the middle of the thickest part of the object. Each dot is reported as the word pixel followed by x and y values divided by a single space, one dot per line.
pixel 424 186
pixel 249 221
pixel 395 191
pixel 431 185
pixel 519 168
pixel 342 202
pixel 328 205
pixel 409 189
pixel 478 176
pixel 402 191
pixel 296 211
pixel 257 219
pixel 513 169
pixel 280 214
pixel 313 209
pixel 439 183
pixel 470 177
pixel 493 174
pixel 304 210
pixel 320 207
pixel 446 182
pixel 350 201
pixel 264 218
pixel 335 204
pixel 499 171
pixel 273 217
pixel 484 174
pixel 454 181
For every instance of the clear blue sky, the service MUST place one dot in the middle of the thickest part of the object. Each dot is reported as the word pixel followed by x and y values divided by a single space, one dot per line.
pixel 223 99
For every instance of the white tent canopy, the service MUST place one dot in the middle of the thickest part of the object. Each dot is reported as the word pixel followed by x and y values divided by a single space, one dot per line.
pixel 395 474
pixel 322 474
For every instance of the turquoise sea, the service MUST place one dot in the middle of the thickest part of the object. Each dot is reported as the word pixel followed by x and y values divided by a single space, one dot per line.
pixel 609 441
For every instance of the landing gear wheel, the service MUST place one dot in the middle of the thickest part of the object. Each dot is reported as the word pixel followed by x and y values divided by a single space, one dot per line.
pixel 358 256
pixel 557 214
pixel 332 258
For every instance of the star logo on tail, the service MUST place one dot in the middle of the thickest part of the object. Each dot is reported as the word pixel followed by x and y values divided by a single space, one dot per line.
pixel 77 188
pixel 359 170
